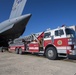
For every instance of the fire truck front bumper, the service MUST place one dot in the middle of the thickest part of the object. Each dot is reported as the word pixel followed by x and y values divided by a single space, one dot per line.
pixel 72 57
pixel 72 53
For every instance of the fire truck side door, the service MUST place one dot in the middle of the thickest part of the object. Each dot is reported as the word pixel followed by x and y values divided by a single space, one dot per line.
pixel 47 38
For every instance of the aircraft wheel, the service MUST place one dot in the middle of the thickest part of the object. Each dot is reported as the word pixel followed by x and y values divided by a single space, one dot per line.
pixel 1 49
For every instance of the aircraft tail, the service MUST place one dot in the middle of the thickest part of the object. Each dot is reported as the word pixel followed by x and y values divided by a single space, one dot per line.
pixel 17 8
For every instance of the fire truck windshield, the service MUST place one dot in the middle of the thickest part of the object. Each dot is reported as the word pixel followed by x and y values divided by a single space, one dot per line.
pixel 70 32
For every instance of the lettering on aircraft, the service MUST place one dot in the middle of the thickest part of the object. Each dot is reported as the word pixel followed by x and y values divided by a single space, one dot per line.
pixel 15 5
pixel 18 1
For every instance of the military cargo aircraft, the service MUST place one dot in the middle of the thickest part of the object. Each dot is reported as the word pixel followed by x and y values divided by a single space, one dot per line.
pixel 15 26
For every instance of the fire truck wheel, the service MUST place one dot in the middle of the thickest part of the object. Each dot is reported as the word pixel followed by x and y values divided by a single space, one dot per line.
pixel 51 53
pixel 17 51
pixel 20 51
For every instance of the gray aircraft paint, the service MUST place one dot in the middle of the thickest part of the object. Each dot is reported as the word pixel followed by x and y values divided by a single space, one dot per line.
pixel 17 8
pixel 15 26
pixel 10 23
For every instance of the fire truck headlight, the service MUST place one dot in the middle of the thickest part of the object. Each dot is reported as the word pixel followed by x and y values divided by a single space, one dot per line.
pixel 75 47
pixel 70 41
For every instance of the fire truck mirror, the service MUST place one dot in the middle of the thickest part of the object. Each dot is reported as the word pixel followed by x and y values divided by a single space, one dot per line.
pixel 52 39
pixel 59 33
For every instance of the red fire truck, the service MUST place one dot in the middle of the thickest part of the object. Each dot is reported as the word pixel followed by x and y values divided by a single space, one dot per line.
pixel 59 41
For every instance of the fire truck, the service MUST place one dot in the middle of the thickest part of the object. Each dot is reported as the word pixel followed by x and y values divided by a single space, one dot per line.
pixel 52 42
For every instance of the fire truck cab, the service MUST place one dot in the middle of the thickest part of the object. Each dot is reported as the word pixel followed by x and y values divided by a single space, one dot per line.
pixel 52 43
pixel 60 41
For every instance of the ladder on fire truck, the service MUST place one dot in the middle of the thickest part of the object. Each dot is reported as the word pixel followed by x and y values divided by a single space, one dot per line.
pixel 30 38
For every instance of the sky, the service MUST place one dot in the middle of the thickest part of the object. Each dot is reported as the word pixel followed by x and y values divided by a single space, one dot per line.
pixel 45 14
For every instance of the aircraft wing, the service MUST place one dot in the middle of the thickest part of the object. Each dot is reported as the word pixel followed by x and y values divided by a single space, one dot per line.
pixel 17 28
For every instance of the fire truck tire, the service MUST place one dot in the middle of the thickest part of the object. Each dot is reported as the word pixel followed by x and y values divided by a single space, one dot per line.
pixel 17 51
pixel 20 51
pixel 51 53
